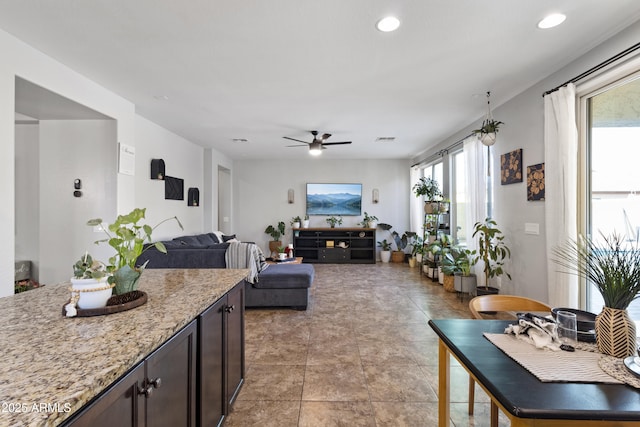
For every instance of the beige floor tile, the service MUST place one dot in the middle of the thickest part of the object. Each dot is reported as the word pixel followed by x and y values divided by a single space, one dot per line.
pixel 263 413
pixel 332 352
pixel 273 382
pixel 398 383
pixel 376 353
pixel 281 353
pixel 338 414
pixel 405 414
pixel 337 383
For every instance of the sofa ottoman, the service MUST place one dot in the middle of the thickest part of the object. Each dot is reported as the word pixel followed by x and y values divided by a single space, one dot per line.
pixel 281 285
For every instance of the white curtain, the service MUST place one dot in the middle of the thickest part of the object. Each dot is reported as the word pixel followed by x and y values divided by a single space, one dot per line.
pixel 561 183
pixel 416 209
pixel 476 163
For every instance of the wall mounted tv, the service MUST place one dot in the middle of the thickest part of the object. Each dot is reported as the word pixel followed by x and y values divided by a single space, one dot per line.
pixel 334 199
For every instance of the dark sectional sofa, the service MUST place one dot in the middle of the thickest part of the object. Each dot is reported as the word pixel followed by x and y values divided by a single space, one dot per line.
pixel 279 285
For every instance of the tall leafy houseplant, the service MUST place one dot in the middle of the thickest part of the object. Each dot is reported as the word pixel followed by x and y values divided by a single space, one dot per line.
pixel 612 265
pixel 430 189
pixel 128 238
pixel 275 233
pixel 492 250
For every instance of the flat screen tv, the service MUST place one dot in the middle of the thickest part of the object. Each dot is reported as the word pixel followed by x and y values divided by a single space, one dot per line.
pixel 334 199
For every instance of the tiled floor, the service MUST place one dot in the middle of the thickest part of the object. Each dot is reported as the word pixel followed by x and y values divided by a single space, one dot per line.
pixel 361 355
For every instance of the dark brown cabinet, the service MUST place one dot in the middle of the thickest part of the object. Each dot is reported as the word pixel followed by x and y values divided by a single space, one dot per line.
pixel 192 379
pixel 335 245
pixel 221 356
pixel 158 392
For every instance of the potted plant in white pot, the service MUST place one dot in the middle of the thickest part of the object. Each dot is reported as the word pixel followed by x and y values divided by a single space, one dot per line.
pixel 275 233
pixel 430 189
pixel 487 132
pixel 295 222
pixel 90 287
pixel 128 238
pixel 385 252
pixel 612 265
pixel 369 221
pixel 305 222
pixel 417 248
pixel 492 251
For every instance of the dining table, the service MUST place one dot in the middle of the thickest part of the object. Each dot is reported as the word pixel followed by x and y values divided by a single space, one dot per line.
pixel 524 399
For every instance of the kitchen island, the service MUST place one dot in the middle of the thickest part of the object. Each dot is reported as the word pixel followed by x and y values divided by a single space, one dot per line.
pixel 52 366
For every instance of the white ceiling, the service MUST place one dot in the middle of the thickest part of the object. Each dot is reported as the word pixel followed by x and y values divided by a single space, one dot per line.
pixel 261 70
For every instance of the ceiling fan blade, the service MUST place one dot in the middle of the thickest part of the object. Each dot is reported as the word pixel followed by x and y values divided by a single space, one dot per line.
pixel 336 143
pixel 297 146
pixel 297 140
pixel 325 136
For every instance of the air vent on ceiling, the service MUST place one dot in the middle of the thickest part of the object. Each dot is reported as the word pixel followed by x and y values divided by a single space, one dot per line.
pixel 385 139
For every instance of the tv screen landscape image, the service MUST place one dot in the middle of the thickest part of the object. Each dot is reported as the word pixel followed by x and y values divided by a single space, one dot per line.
pixel 334 199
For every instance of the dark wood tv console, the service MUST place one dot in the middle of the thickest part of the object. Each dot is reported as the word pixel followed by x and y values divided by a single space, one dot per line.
pixel 340 245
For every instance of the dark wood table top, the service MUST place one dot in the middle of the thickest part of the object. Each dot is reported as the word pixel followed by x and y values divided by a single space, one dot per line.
pixel 521 393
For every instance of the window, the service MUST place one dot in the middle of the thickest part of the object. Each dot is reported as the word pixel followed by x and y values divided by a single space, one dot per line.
pixel 612 150
pixel 458 197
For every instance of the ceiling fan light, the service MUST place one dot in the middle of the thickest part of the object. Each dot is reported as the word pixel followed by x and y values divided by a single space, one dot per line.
pixel 388 24
pixel 315 148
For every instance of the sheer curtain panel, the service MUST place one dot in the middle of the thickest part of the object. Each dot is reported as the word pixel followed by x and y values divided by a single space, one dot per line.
pixel 561 187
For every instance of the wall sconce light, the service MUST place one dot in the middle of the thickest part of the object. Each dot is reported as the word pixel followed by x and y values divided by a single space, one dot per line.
pixel 375 196
pixel 290 196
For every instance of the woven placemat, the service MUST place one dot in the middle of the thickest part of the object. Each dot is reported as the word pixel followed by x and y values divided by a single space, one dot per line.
pixel 615 367
pixel 580 366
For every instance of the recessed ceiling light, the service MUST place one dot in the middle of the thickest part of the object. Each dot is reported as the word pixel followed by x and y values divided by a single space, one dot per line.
pixel 387 24
pixel 551 21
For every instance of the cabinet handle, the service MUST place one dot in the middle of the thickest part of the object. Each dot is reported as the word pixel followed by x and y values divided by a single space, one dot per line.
pixel 145 390
pixel 230 308
pixel 156 383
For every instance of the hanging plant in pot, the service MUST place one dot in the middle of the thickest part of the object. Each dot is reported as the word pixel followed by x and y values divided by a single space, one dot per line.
pixel 492 251
pixel 128 238
pixel 612 265
pixel 487 133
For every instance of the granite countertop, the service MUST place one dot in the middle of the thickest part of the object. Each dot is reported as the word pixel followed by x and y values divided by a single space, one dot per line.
pixel 52 365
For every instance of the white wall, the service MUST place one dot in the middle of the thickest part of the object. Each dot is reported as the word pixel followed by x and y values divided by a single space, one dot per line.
pixel 69 150
pixel 182 159
pixel 27 195
pixel 260 191
pixel 213 160
pixel 523 116
pixel 19 59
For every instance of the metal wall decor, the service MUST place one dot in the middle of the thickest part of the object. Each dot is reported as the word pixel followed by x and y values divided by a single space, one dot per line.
pixel 173 188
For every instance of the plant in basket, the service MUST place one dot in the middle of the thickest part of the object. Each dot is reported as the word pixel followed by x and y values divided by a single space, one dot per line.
pixel 128 238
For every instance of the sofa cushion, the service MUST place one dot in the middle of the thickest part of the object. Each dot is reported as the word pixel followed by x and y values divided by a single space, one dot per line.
pixel 281 276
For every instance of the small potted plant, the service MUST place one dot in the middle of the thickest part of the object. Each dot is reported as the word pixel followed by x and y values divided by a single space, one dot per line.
pixel 275 233
pixel 459 262
pixel 282 255
pixel 488 130
pixel 333 221
pixel 295 222
pixel 430 189
pixel 369 221
pixel 492 251
pixel 128 238
pixel 401 243
pixel 385 252
pixel 89 285
pixel 305 222
pixel 417 248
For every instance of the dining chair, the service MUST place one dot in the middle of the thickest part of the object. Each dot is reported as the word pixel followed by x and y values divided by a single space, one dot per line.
pixel 497 303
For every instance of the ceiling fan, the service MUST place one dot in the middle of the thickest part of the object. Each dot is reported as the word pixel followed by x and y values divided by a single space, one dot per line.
pixel 318 144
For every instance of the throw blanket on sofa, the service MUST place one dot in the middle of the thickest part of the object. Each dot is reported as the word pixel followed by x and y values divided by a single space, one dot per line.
pixel 246 255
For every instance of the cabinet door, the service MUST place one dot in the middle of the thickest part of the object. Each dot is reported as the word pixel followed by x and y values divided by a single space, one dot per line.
pixel 171 379
pixel 234 329
pixel 212 399
pixel 121 405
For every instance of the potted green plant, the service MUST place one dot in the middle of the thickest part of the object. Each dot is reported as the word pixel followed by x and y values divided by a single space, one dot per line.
pixel 89 285
pixel 457 263
pixel 369 221
pixel 438 248
pixel 417 249
pixel 128 238
pixel 305 222
pixel 333 221
pixel 295 222
pixel 612 265
pixel 385 252
pixel 430 189
pixel 275 233
pixel 488 130
pixel 401 244
pixel 492 251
